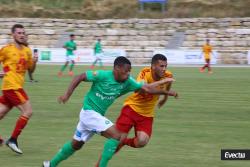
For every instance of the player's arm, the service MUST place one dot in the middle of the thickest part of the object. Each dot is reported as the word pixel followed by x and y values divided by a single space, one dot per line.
pixel 165 97
pixel 74 83
pixel 151 88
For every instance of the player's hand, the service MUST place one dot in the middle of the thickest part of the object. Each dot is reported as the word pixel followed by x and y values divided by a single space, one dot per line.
pixel 62 99
pixel 167 80
pixel 173 93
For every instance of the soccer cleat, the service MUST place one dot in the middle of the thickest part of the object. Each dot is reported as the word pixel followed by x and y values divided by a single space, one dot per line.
pixel 13 146
pixel 46 163
pixel 71 73
pixel 60 74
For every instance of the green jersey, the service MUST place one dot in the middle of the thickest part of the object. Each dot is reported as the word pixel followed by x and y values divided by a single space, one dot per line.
pixel 70 47
pixel 98 47
pixel 105 89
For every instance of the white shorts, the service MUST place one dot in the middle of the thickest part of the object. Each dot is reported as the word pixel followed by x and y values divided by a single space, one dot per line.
pixel 90 123
pixel 99 55
pixel 70 58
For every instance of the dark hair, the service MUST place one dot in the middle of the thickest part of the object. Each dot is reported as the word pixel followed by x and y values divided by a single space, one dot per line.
pixel 13 28
pixel 121 60
pixel 71 35
pixel 157 57
pixel 35 50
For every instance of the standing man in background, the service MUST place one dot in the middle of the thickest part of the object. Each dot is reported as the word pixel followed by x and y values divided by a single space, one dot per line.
pixel 98 53
pixel 16 59
pixel 207 50
pixel 70 47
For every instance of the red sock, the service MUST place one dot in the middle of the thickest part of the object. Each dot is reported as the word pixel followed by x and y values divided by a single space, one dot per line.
pixel 130 142
pixel 20 124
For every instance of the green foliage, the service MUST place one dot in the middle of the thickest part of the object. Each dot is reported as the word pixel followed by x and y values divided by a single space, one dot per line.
pixel 102 9
pixel 212 113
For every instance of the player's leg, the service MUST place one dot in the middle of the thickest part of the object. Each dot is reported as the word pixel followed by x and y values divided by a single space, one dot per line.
pixel 110 145
pixel 60 73
pixel 4 109
pixel 68 149
pixel 21 101
pixel 123 125
pixel 209 66
pixel 71 68
pixel 94 63
pixel 143 131
pixel 81 136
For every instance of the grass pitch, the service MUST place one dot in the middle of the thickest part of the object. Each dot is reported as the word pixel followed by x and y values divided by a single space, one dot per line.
pixel 212 113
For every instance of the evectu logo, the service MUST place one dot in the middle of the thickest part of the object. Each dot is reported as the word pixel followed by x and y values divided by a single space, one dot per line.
pixel 233 154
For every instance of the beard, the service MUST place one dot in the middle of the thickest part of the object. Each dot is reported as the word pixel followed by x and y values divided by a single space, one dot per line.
pixel 21 42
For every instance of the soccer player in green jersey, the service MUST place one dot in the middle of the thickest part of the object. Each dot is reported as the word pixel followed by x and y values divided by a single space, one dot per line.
pixel 98 53
pixel 70 47
pixel 107 86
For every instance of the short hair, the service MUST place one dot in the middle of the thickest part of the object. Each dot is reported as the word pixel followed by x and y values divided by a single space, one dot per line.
pixel 157 57
pixel 13 28
pixel 72 35
pixel 121 60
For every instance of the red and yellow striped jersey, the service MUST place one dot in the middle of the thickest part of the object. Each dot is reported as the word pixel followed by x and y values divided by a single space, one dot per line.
pixel 144 104
pixel 207 49
pixel 15 62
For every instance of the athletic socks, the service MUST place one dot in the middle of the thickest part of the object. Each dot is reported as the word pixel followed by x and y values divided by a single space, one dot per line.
pixel 20 124
pixel 108 151
pixel 132 142
pixel 71 67
pixel 66 151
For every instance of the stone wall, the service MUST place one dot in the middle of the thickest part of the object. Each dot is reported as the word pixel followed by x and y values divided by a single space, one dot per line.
pixel 139 37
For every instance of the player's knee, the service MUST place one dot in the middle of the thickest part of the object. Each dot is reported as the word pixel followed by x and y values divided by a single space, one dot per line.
pixel 77 145
pixel 141 142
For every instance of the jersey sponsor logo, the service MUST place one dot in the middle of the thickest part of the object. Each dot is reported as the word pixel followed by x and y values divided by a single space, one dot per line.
pixel 107 122
pixel 105 97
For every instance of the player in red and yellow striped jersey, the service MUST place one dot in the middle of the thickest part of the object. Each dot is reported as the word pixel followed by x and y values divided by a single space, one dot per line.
pixel 138 110
pixel 16 59
pixel 207 51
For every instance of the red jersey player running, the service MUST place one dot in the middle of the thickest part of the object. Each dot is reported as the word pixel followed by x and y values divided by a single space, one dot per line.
pixel 16 59
pixel 138 109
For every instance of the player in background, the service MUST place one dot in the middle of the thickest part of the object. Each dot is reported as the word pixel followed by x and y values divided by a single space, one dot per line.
pixel 138 110
pixel 70 47
pixel 207 50
pixel 106 87
pixel 16 59
pixel 98 53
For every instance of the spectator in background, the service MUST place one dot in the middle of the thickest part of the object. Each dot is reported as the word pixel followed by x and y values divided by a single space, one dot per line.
pixel 98 53
pixel 70 47
pixel 207 50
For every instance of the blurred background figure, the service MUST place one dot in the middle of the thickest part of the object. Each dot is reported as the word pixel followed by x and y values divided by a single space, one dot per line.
pixel 98 53
pixel 70 47
pixel 207 50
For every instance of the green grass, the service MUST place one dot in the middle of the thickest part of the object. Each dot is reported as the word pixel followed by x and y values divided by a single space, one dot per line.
pixel 212 113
